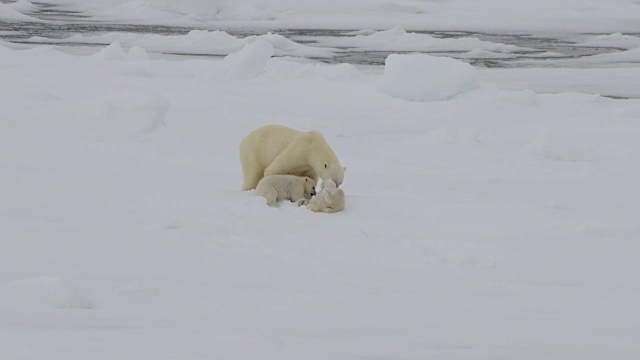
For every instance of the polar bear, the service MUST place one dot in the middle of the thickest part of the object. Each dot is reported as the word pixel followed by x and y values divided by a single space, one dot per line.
pixel 329 199
pixel 278 149
pixel 275 188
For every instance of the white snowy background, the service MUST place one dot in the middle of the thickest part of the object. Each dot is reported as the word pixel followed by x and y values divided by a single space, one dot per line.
pixel 491 213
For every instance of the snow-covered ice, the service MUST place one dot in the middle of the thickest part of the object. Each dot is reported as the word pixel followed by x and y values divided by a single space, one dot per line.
pixel 23 6
pixel 419 77
pixel 201 42
pixel 613 40
pixel 248 62
pixel 48 292
pixel 471 15
pixel 397 39
pixel 497 218
pixel 14 12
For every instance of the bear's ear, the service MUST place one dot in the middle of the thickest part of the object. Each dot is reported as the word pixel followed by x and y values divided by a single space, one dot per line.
pixel 326 165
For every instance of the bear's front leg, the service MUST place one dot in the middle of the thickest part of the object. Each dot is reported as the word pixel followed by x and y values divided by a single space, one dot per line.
pixel 303 202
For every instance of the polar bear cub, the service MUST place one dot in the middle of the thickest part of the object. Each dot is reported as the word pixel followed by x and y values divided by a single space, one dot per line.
pixel 276 188
pixel 329 199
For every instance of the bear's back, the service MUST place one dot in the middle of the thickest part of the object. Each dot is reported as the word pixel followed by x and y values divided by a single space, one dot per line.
pixel 268 141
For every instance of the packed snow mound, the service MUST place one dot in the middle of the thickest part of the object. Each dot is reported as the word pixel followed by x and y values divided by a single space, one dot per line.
pixel 198 41
pixel 24 6
pixel 112 52
pixel 47 292
pixel 284 46
pixel 397 39
pixel 116 52
pixel 137 53
pixel 10 13
pixel 195 42
pixel 420 77
pixel 248 62
pixel 613 40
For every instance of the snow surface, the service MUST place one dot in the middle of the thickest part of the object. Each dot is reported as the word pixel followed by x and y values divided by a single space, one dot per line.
pixel 495 219
pixel 494 224
pixel 616 82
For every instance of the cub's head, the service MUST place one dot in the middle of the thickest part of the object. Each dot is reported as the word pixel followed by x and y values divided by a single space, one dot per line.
pixel 309 188
pixel 328 184
pixel 333 171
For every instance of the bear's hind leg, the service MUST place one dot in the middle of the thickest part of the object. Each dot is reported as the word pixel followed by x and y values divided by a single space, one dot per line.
pixel 272 199
pixel 251 180
pixel 270 194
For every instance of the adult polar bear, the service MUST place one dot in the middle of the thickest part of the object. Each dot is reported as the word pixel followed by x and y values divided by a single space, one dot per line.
pixel 281 150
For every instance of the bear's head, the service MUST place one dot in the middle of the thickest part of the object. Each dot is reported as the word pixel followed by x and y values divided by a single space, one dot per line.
pixel 309 188
pixel 333 171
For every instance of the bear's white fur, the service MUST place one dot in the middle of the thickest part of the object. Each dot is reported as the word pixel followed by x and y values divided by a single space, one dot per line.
pixel 329 199
pixel 276 188
pixel 278 149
